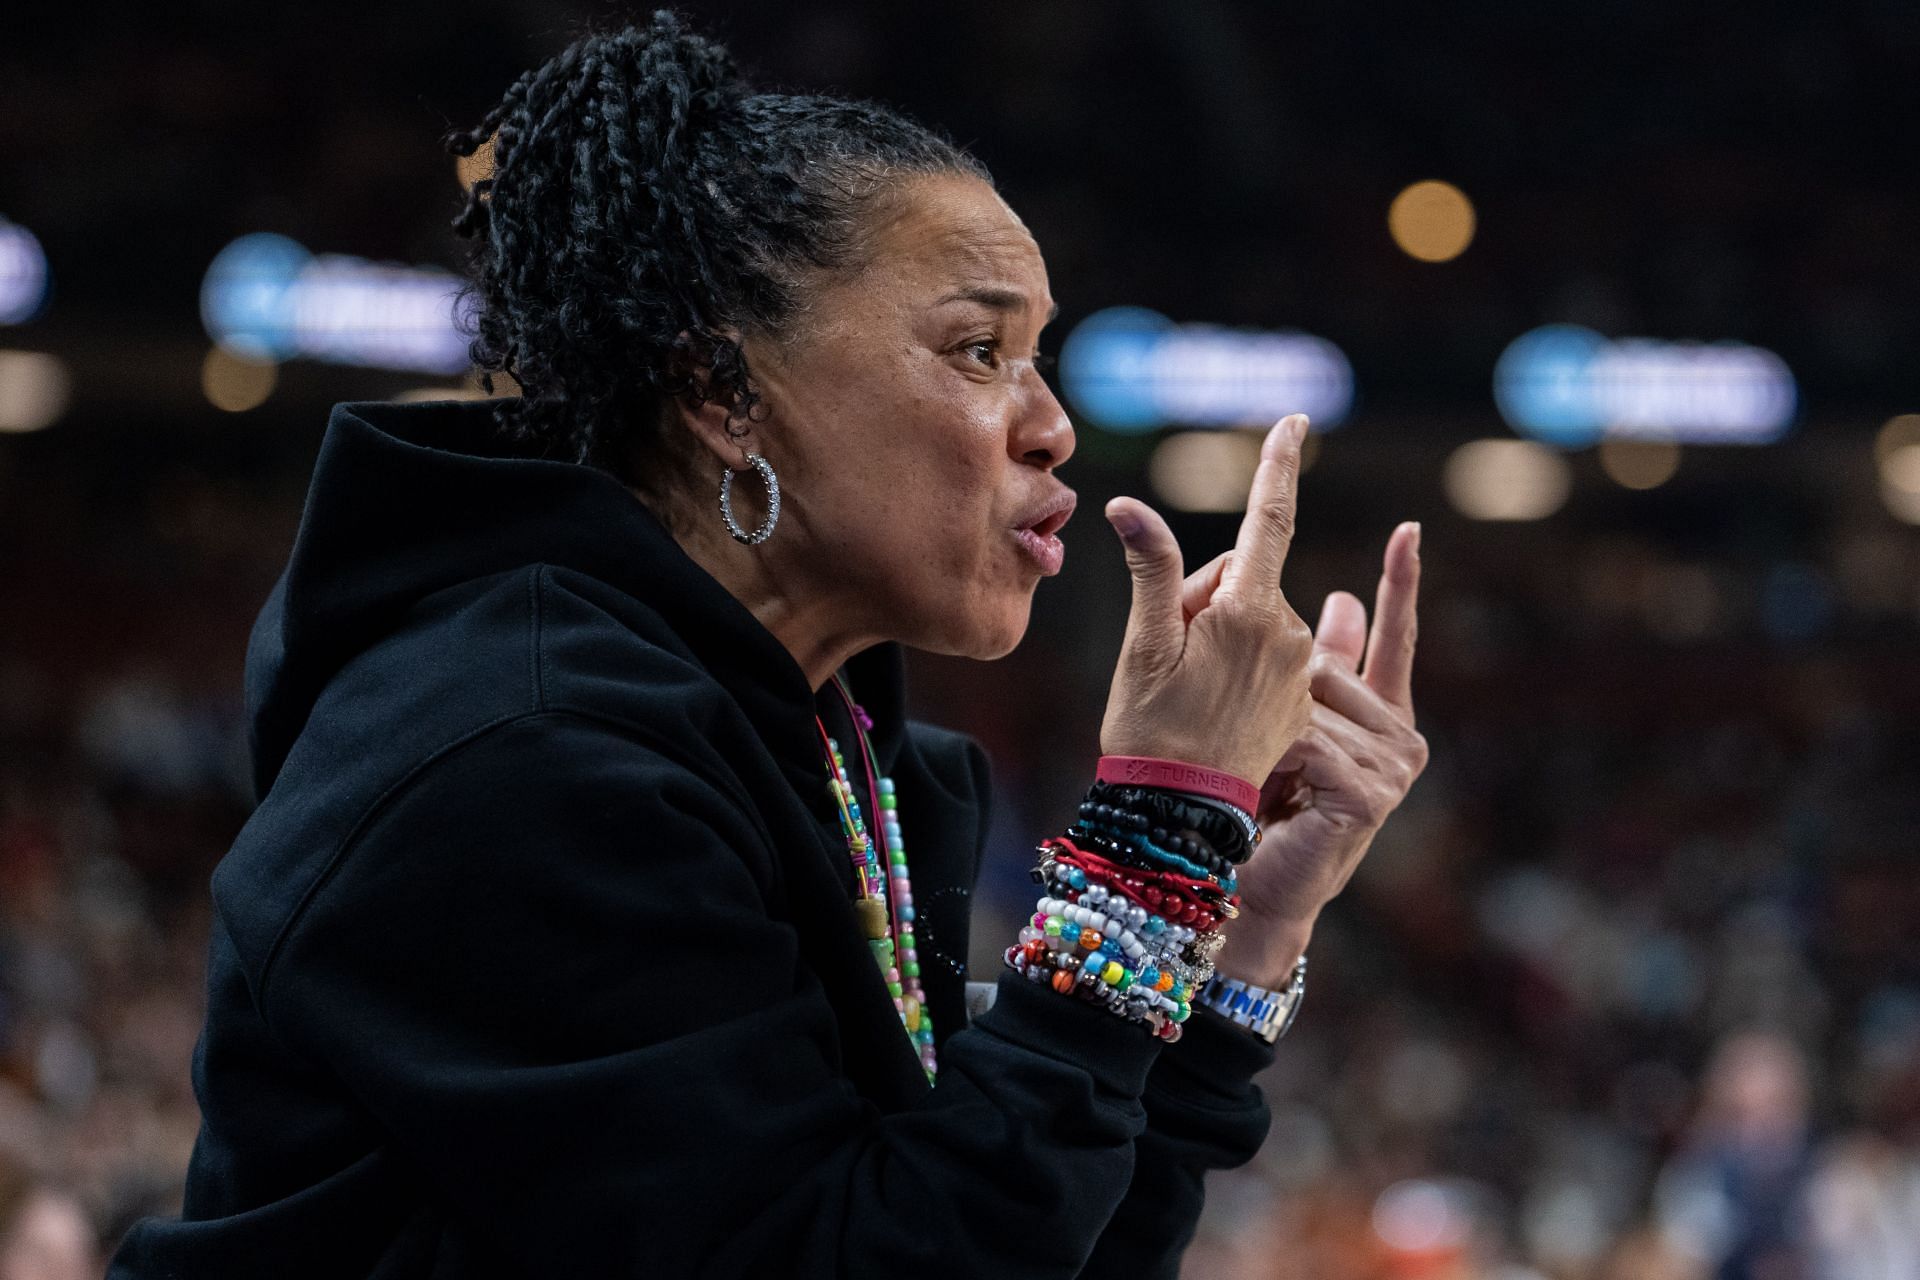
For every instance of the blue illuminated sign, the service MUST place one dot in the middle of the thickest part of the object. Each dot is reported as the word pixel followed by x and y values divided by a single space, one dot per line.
pixel 1129 369
pixel 268 297
pixel 1570 387
pixel 24 279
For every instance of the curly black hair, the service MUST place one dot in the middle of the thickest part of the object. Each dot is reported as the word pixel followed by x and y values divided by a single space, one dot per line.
pixel 644 210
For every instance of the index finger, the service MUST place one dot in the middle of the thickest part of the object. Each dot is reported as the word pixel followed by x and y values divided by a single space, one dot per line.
pixel 1396 621
pixel 1266 531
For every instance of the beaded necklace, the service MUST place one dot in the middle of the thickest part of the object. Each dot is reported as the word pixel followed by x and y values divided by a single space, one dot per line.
pixel 885 906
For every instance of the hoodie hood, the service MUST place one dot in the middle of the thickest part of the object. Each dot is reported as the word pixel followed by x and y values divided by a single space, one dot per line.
pixel 410 499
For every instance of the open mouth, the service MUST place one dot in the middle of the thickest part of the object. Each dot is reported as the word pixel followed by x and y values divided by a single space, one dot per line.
pixel 1052 524
pixel 1038 537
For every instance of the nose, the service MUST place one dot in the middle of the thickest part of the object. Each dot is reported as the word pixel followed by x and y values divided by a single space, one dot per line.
pixel 1042 435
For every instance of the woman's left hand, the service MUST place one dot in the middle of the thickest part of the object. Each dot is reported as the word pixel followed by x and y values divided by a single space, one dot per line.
pixel 1332 791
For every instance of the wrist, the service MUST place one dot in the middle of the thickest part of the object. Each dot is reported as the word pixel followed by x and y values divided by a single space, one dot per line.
pixel 1263 954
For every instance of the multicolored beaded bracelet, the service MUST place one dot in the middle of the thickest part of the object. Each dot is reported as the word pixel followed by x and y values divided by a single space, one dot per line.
pixel 1071 872
pixel 1149 976
pixel 1096 923
pixel 1154 977
pixel 1154 882
pixel 1095 983
pixel 1059 869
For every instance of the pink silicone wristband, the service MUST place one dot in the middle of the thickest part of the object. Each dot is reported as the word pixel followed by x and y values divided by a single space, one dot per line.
pixel 1146 771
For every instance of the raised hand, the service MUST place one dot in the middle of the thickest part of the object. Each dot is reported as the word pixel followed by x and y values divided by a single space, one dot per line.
pixel 1224 683
pixel 1341 778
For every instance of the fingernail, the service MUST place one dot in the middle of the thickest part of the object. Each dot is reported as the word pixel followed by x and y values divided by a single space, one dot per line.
pixel 1416 539
pixel 1124 523
pixel 1298 430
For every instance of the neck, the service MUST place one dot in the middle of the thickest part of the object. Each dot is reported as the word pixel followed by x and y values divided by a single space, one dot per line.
pixel 817 627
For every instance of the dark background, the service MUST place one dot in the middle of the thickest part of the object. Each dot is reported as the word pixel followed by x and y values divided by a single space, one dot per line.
pixel 1664 863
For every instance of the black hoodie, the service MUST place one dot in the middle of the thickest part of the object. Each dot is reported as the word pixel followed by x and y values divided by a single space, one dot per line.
pixel 537 956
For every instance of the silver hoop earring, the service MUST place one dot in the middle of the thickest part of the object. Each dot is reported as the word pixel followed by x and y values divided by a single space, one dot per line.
pixel 765 530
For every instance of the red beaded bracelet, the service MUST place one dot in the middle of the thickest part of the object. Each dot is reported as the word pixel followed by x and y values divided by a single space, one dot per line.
pixel 1202 893
pixel 1170 896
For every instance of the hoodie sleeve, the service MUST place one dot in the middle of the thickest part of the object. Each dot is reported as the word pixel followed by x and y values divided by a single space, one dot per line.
pixel 1203 1112
pixel 547 971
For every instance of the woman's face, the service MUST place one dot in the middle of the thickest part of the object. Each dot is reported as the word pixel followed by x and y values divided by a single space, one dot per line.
pixel 913 436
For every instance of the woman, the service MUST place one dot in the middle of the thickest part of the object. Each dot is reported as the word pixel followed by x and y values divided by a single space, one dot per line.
pixel 559 944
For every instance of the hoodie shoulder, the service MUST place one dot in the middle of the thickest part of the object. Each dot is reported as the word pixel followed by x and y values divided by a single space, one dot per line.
pixel 464 661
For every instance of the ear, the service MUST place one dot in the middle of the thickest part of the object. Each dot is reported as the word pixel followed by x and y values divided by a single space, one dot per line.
pixel 708 422
pixel 712 420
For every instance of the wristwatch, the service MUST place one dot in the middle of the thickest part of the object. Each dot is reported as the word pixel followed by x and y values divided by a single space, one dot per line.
pixel 1266 1013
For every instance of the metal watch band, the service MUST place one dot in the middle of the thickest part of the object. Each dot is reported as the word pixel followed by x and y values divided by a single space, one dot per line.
pixel 1266 1013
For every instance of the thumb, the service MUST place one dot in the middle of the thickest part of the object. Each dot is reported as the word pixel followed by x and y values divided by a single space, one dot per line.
pixel 1153 561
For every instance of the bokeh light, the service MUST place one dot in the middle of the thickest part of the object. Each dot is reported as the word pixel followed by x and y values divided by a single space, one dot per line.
pixel 1506 480
pixel 1129 369
pixel 1432 221
pixel 268 297
pixel 1639 464
pixel 235 382
pixel 1896 433
pixel 1569 386
pixel 1901 468
pixel 1422 1216
pixel 1205 470
pixel 23 274
pixel 1900 481
pixel 34 390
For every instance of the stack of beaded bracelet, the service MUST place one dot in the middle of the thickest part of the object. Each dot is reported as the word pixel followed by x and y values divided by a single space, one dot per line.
pixel 1130 913
pixel 1227 829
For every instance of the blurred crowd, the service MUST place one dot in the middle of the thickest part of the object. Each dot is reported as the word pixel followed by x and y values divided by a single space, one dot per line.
pixel 1628 990
pixel 110 822
pixel 1628 1002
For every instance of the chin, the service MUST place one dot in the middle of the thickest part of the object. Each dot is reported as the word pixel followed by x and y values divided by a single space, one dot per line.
pixel 984 632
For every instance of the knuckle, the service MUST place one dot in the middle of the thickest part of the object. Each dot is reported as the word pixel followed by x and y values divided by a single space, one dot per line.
pixel 1291 631
pixel 1279 518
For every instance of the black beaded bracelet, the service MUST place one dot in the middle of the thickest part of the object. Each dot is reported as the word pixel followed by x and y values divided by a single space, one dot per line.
pixel 1194 849
pixel 1218 824
pixel 1226 827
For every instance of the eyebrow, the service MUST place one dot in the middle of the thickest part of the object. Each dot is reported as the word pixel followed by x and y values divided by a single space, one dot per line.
pixel 997 298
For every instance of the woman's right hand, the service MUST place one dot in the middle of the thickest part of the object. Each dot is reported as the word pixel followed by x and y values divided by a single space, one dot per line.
pixel 1213 670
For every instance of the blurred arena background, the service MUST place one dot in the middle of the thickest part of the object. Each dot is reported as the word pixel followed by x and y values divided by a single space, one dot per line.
pixel 1621 299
